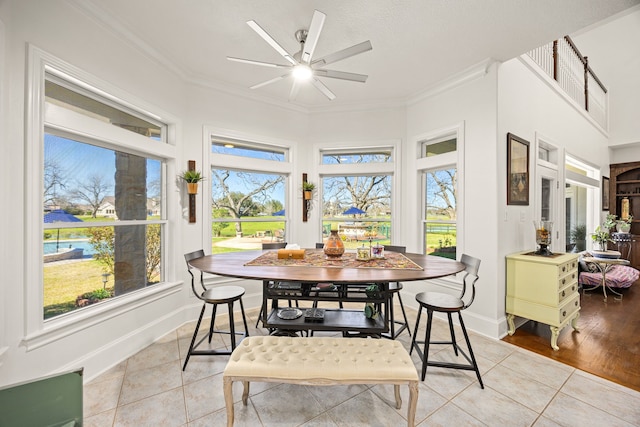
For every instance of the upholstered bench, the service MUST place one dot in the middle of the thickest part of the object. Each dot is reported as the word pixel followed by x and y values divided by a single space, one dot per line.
pixel 321 361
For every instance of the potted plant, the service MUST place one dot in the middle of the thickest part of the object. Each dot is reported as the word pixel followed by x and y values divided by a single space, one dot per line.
pixel 579 237
pixel 601 237
pixel 609 222
pixel 192 177
pixel 624 225
pixel 307 189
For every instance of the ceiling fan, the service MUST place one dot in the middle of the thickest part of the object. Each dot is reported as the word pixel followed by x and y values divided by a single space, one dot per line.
pixel 301 65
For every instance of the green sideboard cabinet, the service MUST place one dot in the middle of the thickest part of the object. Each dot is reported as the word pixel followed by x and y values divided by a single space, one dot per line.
pixel 543 289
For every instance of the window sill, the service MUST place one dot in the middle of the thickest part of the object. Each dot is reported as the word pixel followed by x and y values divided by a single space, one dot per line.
pixel 67 325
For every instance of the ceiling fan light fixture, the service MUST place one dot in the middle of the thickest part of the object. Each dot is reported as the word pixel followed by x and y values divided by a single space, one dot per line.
pixel 301 65
pixel 302 72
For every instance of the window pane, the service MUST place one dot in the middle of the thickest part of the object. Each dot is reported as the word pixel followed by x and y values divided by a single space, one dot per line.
pixel 100 182
pixel 433 148
pixel 88 265
pixel 359 207
pixel 235 148
pixel 75 101
pixel 333 158
pixel 247 209
pixel 440 212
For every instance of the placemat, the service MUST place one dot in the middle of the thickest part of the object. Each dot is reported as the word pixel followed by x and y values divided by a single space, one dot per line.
pixel 317 258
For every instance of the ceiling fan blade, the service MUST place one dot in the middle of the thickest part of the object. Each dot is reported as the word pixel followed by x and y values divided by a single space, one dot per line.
pixel 251 61
pixel 274 44
pixel 268 82
pixel 322 88
pixel 343 54
pixel 294 90
pixel 317 22
pixel 361 78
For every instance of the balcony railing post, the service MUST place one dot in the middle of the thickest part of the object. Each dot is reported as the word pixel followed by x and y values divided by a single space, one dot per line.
pixel 586 83
pixel 555 60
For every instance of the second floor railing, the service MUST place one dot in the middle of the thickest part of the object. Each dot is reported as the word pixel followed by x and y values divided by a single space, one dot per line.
pixel 563 62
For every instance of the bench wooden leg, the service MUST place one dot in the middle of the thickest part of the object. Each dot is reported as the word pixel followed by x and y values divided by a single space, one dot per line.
pixel 245 392
pixel 396 390
pixel 228 399
pixel 413 403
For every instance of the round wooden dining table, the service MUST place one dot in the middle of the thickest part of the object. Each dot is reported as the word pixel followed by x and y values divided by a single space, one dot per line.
pixel 343 274
pixel 232 264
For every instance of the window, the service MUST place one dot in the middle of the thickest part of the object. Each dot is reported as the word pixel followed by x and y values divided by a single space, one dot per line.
pixel 244 149
pixel 357 188
pixel 438 167
pixel 114 194
pixel 356 157
pixel 440 228
pixel 248 203
pixel 96 201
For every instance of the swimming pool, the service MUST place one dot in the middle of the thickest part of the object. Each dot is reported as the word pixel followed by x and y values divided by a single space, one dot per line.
pixel 50 246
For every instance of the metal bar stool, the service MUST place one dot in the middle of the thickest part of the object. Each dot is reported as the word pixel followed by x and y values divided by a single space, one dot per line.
pixel 214 296
pixel 445 303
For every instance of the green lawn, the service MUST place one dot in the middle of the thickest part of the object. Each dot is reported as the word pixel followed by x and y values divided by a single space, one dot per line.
pixel 63 282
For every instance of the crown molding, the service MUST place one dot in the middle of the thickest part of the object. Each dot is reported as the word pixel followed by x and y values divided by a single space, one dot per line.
pixel 476 71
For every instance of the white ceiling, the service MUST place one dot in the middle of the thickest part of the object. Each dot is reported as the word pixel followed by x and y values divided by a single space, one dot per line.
pixel 416 43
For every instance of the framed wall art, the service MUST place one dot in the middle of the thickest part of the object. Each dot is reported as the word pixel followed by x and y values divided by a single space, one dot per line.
pixel 517 170
pixel 605 193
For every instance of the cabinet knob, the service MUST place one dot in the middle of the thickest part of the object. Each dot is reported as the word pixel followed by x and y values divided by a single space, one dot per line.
pixel 576 303
pixel 564 268
pixel 563 280
pixel 573 288
pixel 564 313
pixel 562 293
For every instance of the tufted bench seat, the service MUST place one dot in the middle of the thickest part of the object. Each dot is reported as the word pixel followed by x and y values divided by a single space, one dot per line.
pixel 321 361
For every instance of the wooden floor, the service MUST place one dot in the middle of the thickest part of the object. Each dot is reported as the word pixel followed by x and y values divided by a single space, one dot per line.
pixel 608 344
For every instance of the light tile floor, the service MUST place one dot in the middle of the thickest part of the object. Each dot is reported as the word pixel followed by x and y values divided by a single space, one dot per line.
pixel 521 389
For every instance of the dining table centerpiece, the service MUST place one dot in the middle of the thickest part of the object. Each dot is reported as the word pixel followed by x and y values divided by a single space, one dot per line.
pixel 334 246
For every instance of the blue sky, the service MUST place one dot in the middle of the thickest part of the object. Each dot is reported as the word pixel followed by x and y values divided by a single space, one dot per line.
pixel 79 161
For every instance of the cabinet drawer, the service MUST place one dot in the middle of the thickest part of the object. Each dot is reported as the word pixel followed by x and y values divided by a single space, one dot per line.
pixel 568 279
pixel 567 267
pixel 567 292
pixel 553 316
pixel 567 309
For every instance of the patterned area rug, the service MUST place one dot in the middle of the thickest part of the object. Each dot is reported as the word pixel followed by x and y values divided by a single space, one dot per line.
pixel 317 258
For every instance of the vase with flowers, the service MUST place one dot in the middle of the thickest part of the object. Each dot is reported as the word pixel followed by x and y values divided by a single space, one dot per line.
pixel 601 237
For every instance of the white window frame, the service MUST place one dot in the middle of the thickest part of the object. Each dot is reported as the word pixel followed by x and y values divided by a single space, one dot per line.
pixel 228 161
pixel 442 161
pixel 353 169
pixel 38 332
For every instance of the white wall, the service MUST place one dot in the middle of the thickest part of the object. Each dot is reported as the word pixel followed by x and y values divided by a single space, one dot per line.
pixel 527 106
pixel 472 103
pixel 612 49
